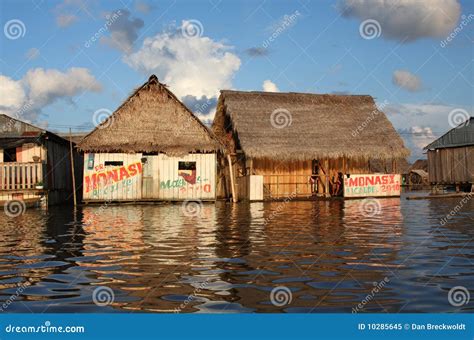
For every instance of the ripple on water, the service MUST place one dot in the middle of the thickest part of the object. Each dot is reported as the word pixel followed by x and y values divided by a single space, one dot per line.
pixel 230 259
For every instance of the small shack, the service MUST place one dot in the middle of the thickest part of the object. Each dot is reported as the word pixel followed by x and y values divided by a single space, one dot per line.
pixel 303 145
pixel 35 164
pixel 151 148
pixel 451 157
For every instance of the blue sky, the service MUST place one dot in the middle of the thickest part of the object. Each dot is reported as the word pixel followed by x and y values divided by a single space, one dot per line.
pixel 53 74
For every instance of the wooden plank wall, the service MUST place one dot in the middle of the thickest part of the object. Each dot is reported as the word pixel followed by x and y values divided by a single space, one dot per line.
pixel 451 165
pixel 159 179
pixel 294 177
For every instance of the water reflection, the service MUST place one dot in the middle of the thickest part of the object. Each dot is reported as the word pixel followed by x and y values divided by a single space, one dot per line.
pixel 155 258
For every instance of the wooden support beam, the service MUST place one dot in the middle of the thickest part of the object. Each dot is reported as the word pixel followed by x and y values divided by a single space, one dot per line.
pixel 232 182
pixel 72 169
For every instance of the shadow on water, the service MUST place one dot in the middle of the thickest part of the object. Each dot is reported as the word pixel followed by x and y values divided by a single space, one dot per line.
pixel 333 256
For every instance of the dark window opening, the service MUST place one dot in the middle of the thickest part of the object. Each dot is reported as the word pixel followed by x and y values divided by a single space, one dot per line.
pixel 113 163
pixel 186 165
pixel 9 155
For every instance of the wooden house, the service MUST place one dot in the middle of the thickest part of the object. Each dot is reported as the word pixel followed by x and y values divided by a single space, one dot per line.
pixel 35 164
pixel 302 145
pixel 451 157
pixel 151 148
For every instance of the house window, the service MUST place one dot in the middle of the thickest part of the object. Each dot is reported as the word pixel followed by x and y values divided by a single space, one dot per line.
pixel 113 163
pixel 186 165
pixel 9 155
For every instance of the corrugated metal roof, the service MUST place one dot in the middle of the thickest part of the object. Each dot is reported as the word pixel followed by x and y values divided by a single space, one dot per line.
pixel 461 135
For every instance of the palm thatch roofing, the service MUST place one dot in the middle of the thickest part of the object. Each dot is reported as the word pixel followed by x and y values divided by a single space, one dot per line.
pixel 151 120
pixel 302 126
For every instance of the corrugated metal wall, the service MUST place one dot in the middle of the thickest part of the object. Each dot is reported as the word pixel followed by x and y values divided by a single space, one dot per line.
pixel 156 178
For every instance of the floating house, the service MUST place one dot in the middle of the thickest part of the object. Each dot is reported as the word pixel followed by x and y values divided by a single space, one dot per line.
pixel 35 164
pixel 451 157
pixel 304 145
pixel 151 148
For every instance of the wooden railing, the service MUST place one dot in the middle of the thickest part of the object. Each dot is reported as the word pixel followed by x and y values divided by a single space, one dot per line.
pixel 20 176
pixel 279 186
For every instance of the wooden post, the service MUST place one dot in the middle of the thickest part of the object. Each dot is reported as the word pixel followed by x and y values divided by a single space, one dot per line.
pixel 232 184
pixel 326 178
pixel 72 169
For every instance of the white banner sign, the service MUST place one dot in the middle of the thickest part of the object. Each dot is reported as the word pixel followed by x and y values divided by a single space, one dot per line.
pixel 375 185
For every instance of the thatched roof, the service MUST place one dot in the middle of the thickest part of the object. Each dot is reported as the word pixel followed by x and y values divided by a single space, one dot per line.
pixel 152 119
pixel 420 164
pixel 311 126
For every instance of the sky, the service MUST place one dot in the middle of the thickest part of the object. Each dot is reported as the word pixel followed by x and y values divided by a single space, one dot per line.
pixel 70 63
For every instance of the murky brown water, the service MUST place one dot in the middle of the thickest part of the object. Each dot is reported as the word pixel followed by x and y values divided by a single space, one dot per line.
pixel 227 260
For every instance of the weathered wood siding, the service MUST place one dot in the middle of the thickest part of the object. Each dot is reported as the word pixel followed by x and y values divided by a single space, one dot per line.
pixel 451 165
pixel 294 178
pixel 148 177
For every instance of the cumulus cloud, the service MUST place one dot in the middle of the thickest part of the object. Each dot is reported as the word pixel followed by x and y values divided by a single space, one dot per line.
pixel 65 20
pixel 406 80
pixel 192 66
pixel 200 106
pixel 123 31
pixel 420 124
pixel 406 20
pixel 26 98
pixel 416 138
pixel 269 86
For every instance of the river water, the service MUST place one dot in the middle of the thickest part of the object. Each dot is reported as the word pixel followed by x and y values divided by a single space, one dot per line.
pixel 395 255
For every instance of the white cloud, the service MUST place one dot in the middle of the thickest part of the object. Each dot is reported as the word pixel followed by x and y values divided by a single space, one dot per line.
pixel 123 31
pixel 196 66
pixel 420 124
pixel 65 20
pixel 13 96
pixel 26 98
pixel 269 86
pixel 406 80
pixel 406 19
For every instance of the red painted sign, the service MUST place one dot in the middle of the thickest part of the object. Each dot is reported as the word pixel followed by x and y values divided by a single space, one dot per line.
pixel 106 177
